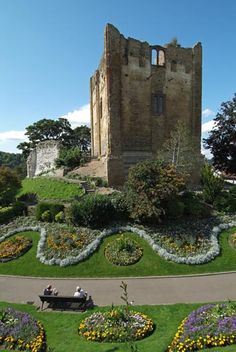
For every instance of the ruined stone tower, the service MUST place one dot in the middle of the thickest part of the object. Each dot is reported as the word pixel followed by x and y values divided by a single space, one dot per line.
pixel 138 93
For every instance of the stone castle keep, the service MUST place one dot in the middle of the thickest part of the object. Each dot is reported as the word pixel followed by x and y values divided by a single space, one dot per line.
pixel 138 93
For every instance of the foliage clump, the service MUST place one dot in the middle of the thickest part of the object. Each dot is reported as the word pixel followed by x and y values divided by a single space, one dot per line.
pixel 9 185
pixel 48 212
pixel 92 211
pixel 150 185
pixel 212 184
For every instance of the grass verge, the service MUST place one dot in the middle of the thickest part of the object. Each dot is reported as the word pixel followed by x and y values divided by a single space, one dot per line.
pixel 97 265
pixel 46 188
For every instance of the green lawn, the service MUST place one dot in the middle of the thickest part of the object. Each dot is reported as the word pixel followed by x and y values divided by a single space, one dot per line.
pixel 61 329
pixel 47 188
pixel 97 265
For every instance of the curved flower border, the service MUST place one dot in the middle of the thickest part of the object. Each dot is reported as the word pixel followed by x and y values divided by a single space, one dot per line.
pixel 70 260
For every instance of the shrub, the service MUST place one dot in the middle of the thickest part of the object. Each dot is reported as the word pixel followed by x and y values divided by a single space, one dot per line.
pixel 29 198
pixel 8 213
pixel 226 202
pixel 212 184
pixel 92 211
pixel 150 185
pixel 120 203
pixel 46 216
pixel 60 217
pixel 9 185
pixel 175 208
pixel 52 208
pixel 193 206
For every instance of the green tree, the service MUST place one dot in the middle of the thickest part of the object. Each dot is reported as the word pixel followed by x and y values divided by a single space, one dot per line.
pixel 9 185
pixel 212 184
pixel 70 157
pixel 47 129
pixel 222 138
pixel 182 150
pixel 81 136
pixel 150 185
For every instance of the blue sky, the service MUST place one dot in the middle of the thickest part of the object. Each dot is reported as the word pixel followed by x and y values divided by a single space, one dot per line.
pixel 50 48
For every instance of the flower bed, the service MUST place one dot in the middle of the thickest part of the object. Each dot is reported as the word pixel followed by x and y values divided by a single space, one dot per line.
pixel 14 247
pixel 211 325
pixel 19 331
pixel 123 251
pixel 116 325
pixel 194 256
pixel 67 242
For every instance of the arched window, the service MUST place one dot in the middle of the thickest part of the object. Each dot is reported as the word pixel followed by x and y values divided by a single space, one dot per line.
pixel 158 57
pixel 154 56
pixel 161 58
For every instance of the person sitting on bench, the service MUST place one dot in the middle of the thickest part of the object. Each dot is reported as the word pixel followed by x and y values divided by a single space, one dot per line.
pixel 79 292
pixel 50 291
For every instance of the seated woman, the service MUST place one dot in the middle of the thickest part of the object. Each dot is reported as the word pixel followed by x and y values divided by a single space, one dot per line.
pixel 50 291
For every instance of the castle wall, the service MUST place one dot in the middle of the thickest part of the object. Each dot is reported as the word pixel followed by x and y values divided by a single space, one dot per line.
pixel 133 80
pixel 42 158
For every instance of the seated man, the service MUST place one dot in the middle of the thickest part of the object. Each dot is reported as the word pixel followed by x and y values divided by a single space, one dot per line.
pixel 79 292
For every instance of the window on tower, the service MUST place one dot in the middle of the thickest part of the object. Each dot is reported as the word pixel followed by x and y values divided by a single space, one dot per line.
pixel 158 104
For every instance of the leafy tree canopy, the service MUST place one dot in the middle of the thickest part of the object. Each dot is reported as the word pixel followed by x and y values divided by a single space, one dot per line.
pixel 47 129
pixel 222 138
pixel 9 185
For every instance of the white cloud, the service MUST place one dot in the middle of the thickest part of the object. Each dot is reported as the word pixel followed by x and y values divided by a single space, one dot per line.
pixel 79 117
pixel 207 112
pixel 207 126
pixel 12 136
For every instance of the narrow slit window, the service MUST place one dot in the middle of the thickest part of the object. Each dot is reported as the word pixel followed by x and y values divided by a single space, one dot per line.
pixel 173 66
pixel 158 104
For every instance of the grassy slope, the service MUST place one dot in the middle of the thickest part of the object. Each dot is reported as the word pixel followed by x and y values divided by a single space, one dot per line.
pixel 47 188
pixel 61 329
pixel 98 266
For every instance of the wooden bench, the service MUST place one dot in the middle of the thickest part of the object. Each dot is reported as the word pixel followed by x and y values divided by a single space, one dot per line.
pixel 65 302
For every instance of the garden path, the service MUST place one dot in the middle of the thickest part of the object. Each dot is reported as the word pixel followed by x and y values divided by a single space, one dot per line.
pixel 105 291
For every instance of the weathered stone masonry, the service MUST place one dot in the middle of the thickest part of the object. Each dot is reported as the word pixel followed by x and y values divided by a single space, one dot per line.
pixel 42 158
pixel 138 93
